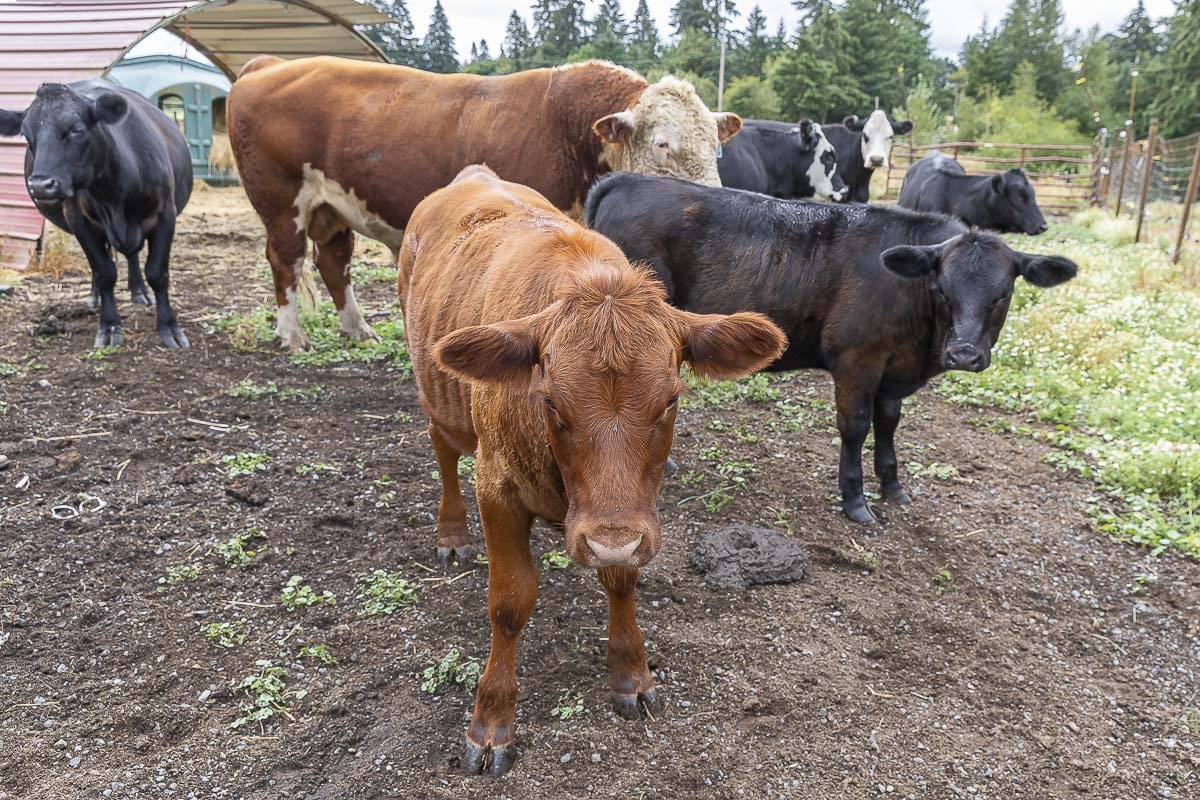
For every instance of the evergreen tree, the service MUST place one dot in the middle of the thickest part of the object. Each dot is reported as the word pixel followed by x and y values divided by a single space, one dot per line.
pixel 1136 46
pixel 1178 108
pixel 703 16
pixel 518 43
pixel 779 41
pixel 474 54
pixel 643 44
pixel 396 38
pixel 813 78
pixel 609 32
pixel 889 46
pixel 437 49
pixel 559 28
pixel 485 54
pixel 754 45
pixel 1029 33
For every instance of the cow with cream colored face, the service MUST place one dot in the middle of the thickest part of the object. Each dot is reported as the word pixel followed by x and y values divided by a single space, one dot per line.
pixel 330 147
pixel 863 146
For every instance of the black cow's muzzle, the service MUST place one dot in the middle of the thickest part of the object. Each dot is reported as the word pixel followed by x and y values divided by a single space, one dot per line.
pixel 44 188
pixel 1037 228
pixel 965 357
pixel 876 161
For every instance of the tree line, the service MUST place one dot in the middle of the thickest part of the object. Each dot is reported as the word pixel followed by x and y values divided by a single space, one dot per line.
pixel 1027 77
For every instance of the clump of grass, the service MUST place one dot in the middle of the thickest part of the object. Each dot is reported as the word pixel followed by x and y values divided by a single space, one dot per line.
pixel 297 594
pixel 556 560
pixel 304 470
pixel 240 464
pixel 317 652
pixel 386 592
pixel 227 635
pixel 180 573
pixel 942 580
pixel 374 273
pixel 268 695
pixel 247 389
pixel 570 705
pixel 453 671
pixel 235 551
pixel 756 388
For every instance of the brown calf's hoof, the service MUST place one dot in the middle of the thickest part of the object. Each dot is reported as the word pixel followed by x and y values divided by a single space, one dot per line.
pixel 897 495
pixel 637 706
pixel 464 553
pixel 494 761
pixel 859 513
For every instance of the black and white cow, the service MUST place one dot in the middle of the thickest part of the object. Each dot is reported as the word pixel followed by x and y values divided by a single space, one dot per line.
pixel 862 147
pixel 883 298
pixel 110 168
pixel 1003 202
pixel 782 160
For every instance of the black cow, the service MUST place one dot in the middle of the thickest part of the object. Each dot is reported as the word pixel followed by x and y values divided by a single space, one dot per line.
pixel 1003 202
pixel 792 161
pixel 110 168
pixel 883 298
pixel 863 145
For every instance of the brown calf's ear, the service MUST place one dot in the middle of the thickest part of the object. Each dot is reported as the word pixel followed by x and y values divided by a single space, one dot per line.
pixel 502 353
pixel 1046 271
pixel 615 128
pixel 913 262
pixel 723 347
pixel 728 125
pixel 10 122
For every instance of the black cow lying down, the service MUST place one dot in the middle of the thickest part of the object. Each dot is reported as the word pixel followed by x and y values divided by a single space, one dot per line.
pixel 881 297
pixel 110 168
pixel 1003 202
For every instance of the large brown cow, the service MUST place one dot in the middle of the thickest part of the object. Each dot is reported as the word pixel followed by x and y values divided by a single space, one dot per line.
pixel 327 147
pixel 565 364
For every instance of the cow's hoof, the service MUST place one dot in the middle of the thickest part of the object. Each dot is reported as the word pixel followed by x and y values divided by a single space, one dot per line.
pixel 361 333
pixel 109 337
pixel 897 495
pixel 173 338
pixel 637 706
pixel 140 296
pixel 464 553
pixel 494 761
pixel 859 513
pixel 294 341
pixel 670 468
pixel 93 301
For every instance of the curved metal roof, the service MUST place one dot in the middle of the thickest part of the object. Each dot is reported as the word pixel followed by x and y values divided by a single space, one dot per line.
pixel 60 41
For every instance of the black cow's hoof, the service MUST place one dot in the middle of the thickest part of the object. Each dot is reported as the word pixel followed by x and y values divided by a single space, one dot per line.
pixel 464 553
pixel 637 706
pixel 670 468
pixel 897 495
pixel 859 513
pixel 93 301
pixel 173 338
pixel 140 296
pixel 109 337
pixel 494 761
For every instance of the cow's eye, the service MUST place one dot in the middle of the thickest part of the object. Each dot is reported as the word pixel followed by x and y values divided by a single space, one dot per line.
pixel 552 410
pixel 663 145
pixel 866 138
pixel 76 132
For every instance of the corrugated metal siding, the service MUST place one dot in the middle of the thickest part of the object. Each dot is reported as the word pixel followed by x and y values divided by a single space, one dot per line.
pixel 61 41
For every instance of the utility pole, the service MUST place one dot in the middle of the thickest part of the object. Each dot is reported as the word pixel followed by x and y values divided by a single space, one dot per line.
pixel 721 69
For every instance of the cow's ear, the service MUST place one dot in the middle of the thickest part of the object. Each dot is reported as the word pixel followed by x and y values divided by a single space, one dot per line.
pixel 901 128
pixel 615 128
pixel 111 108
pixel 806 129
pixel 502 353
pixel 854 123
pixel 1046 271
pixel 728 125
pixel 728 346
pixel 10 122
pixel 913 262
pixel 997 183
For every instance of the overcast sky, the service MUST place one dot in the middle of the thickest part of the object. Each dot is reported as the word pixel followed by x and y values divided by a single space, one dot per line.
pixel 951 20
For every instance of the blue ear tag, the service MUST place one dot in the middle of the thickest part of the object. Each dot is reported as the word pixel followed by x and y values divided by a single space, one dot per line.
pixel 720 149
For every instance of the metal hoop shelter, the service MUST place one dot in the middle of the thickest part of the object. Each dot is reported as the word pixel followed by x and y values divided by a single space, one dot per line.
pixel 60 41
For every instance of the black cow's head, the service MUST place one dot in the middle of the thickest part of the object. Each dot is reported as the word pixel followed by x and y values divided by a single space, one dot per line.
pixel 1011 205
pixel 971 280
pixel 63 130
pixel 821 162
pixel 877 132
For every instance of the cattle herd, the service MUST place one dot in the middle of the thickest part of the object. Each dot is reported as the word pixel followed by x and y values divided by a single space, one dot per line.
pixel 549 307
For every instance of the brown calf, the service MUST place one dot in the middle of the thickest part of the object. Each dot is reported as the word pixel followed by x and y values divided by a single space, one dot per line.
pixel 327 147
pixel 537 347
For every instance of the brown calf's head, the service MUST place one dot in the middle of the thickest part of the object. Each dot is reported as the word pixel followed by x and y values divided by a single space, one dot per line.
pixel 971 280
pixel 601 368
pixel 669 131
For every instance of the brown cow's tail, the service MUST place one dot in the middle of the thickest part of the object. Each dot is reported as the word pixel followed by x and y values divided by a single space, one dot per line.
pixel 306 287
pixel 259 62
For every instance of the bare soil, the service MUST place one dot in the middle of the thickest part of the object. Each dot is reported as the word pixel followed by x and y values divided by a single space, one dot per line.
pixel 983 642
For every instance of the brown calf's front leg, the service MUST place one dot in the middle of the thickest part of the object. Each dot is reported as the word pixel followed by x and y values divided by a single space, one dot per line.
pixel 454 539
pixel 628 675
pixel 887 419
pixel 512 592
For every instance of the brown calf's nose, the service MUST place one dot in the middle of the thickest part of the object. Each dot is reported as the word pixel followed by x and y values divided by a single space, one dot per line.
pixel 613 555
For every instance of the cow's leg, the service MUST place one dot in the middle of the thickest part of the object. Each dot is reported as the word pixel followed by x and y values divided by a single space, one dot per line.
pixel 512 592
pixel 887 419
pixel 628 675
pixel 138 292
pixel 855 400
pixel 157 261
pixel 333 242
pixel 104 278
pixel 285 253
pixel 454 539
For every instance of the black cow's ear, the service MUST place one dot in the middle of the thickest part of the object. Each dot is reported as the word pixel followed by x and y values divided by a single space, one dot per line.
pixel 10 122
pixel 913 262
pixel 997 183
pixel 111 108
pixel 853 123
pixel 1046 271
pixel 901 128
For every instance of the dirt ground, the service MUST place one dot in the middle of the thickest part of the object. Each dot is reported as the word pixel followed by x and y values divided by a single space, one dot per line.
pixel 983 642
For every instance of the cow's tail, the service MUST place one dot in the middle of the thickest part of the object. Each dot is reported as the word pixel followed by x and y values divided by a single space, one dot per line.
pixel 306 287
pixel 597 194
pixel 259 62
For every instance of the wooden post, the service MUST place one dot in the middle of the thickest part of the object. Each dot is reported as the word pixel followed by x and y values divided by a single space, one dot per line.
pixel 1147 172
pixel 1022 156
pixel 1112 160
pixel 1124 167
pixel 1188 199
